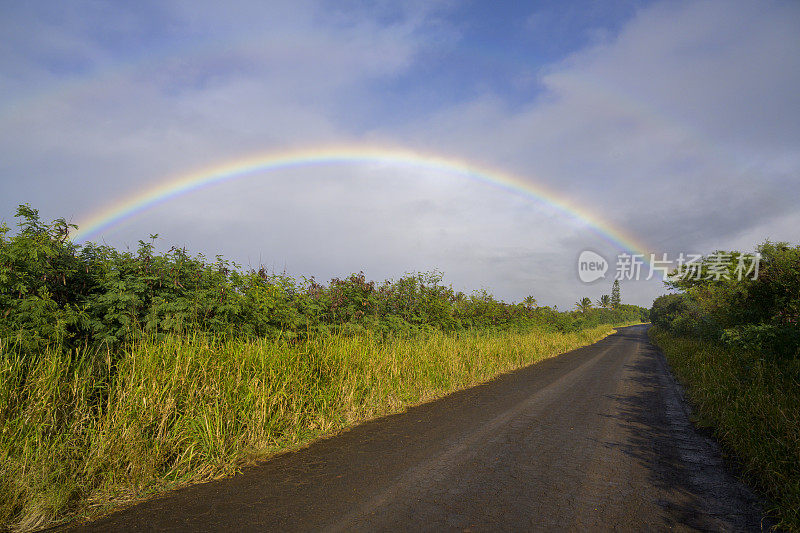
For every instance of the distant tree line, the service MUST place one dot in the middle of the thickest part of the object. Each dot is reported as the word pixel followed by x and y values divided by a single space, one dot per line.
pixel 55 291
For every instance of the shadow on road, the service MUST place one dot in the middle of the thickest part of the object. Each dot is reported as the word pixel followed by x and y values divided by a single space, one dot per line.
pixel 687 466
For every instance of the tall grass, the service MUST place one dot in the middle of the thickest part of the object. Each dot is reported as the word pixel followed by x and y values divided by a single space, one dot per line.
pixel 88 429
pixel 752 403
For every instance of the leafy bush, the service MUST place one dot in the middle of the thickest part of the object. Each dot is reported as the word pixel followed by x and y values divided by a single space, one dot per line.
pixel 53 291
pixel 680 314
pixel 765 338
pixel 41 279
pixel 761 314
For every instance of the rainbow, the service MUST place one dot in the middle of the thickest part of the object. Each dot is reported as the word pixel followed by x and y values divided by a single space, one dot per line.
pixel 105 218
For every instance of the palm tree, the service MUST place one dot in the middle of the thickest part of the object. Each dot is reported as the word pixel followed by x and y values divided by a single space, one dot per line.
pixel 584 305
pixel 604 301
pixel 529 302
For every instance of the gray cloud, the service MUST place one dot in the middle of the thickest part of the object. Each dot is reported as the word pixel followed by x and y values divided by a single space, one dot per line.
pixel 682 128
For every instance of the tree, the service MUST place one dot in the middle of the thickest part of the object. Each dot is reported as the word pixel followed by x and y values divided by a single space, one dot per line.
pixel 529 302
pixel 583 305
pixel 750 301
pixel 604 301
pixel 616 299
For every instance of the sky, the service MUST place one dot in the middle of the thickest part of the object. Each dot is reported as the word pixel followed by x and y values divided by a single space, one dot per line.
pixel 673 124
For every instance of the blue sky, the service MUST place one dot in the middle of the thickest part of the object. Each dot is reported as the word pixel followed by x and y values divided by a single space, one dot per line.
pixel 501 47
pixel 676 122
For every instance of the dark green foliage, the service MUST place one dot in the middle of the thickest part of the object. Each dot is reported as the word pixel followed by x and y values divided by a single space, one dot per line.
pixel 41 281
pixel 782 341
pixel 680 314
pixel 53 291
pixel 761 314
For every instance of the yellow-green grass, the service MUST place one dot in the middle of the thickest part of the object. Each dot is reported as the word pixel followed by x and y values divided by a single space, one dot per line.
pixel 83 433
pixel 752 402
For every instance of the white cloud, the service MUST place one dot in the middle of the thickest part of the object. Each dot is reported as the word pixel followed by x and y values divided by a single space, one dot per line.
pixel 257 77
pixel 683 129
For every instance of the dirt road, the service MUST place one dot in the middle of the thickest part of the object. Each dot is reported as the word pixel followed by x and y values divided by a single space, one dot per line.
pixel 595 439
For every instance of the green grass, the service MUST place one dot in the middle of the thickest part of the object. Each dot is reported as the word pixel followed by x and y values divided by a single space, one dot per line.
pixel 84 432
pixel 753 405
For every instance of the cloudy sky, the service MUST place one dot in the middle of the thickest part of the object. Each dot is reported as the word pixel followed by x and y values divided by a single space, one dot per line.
pixel 677 123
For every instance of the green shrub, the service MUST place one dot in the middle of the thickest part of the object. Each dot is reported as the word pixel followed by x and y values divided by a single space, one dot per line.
pixel 55 292
pixel 766 339
pixel 759 313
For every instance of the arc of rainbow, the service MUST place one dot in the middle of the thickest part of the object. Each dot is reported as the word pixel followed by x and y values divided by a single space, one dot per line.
pixel 132 206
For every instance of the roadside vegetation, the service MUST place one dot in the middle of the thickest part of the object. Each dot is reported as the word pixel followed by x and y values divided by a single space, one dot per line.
pixel 127 373
pixel 735 344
